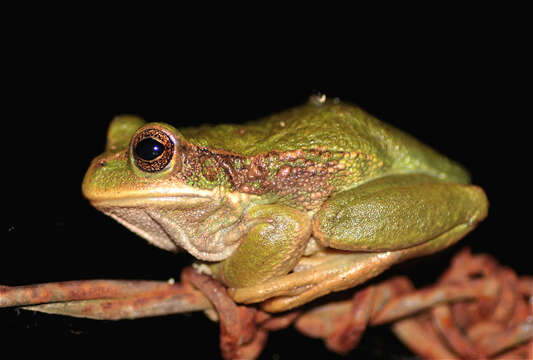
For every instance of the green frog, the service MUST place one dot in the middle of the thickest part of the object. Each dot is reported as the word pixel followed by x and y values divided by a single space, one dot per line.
pixel 285 209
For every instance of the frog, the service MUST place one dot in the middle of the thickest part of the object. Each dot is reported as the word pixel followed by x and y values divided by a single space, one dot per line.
pixel 287 208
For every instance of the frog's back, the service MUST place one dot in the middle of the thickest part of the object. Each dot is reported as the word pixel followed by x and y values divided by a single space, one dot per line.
pixel 374 147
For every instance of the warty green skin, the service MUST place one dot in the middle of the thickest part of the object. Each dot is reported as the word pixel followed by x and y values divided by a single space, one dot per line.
pixel 367 146
pixel 326 171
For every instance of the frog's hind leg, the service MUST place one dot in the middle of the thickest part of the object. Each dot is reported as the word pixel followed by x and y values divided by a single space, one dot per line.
pixel 377 225
pixel 397 212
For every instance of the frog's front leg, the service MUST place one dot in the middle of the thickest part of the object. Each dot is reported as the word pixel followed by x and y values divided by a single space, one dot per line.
pixel 379 224
pixel 271 248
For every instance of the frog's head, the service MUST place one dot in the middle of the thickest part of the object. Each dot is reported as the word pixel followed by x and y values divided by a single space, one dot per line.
pixel 146 181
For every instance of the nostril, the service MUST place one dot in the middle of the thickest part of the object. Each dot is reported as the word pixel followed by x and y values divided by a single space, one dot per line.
pixel 102 163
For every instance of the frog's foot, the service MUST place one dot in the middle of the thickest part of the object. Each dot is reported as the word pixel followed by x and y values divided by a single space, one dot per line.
pixel 316 276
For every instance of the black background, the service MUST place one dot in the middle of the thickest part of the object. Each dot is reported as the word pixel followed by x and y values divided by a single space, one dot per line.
pixel 460 93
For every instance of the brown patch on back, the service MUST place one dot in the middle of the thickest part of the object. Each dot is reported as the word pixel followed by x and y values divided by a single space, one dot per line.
pixel 292 175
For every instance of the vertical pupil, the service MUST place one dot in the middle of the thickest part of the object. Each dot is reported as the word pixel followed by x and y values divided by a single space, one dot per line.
pixel 149 149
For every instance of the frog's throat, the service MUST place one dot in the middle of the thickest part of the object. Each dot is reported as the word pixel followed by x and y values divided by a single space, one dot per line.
pixel 199 225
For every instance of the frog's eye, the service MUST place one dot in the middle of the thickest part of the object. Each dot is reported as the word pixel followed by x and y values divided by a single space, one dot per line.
pixel 152 150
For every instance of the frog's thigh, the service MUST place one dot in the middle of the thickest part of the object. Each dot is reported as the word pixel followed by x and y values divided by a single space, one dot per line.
pixel 271 248
pixel 397 212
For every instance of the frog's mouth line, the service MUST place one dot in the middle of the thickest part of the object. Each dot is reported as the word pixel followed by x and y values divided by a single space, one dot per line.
pixel 173 193
pixel 186 200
